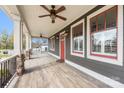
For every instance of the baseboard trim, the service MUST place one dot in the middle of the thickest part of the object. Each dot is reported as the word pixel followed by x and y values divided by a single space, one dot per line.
pixel 102 78
pixel 54 55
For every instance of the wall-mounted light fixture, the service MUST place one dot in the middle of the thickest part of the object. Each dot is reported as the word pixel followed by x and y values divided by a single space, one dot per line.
pixel 57 37
pixel 65 34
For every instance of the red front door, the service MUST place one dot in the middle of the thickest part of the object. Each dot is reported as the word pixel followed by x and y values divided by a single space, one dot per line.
pixel 62 49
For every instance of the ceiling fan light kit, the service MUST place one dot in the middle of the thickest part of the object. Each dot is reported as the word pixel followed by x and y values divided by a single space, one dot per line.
pixel 53 13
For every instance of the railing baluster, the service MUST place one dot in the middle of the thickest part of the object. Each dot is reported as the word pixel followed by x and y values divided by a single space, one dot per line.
pixel 4 72
pixel 7 69
pixel 1 75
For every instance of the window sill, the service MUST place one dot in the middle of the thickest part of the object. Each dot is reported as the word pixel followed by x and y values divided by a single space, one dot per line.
pixel 52 49
pixel 79 54
pixel 105 56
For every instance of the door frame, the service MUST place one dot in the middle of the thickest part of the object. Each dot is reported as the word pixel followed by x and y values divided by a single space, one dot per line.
pixel 60 45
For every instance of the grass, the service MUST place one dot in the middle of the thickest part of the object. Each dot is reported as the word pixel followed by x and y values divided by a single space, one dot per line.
pixel 4 55
pixel 4 72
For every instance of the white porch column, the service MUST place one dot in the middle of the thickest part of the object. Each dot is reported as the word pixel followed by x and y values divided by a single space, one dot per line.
pixel 27 41
pixel 17 35
pixel 28 45
pixel 18 45
pixel 30 42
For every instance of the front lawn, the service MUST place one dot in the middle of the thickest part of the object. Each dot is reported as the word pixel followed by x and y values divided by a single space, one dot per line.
pixel 4 55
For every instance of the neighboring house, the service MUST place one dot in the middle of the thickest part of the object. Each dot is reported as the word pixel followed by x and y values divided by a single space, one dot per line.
pixel 40 47
pixel 44 47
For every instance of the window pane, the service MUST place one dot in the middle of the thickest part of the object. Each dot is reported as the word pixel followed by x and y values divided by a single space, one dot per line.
pixel 81 44
pixel 101 22
pixel 110 42
pixel 77 30
pixel 75 44
pixel 93 24
pixel 96 42
pixel 52 43
pixel 111 18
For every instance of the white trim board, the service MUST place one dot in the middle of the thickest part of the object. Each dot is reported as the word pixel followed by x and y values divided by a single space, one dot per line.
pixel 54 55
pixel 102 78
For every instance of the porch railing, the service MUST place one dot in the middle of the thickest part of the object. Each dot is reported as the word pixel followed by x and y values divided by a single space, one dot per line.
pixel 7 70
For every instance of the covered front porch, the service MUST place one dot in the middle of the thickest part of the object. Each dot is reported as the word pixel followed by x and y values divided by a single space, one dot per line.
pixel 42 71
pixel 76 57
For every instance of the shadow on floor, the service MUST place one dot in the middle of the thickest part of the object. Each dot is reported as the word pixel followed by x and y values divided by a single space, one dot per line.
pixel 37 68
pixel 34 57
pixel 41 56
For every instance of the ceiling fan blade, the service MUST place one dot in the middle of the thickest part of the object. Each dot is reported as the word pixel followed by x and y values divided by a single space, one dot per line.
pixel 62 8
pixel 45 8
pixel 63 18
pixel 43 15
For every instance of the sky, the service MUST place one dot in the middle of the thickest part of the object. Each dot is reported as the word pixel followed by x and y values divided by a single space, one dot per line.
pixel 5 22
pixel 35 40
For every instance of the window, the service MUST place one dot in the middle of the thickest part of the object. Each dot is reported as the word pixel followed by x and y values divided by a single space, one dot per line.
pixel 77 33
pixel 52 43
pixel 103 30
pixel 77 38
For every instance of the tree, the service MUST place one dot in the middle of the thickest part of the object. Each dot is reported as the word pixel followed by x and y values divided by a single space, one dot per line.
pixel 10 41
pixel 0 41
pixel 4 38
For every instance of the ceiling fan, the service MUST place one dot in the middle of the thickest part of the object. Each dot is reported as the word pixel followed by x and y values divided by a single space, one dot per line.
pixel 53 13
pixel 40 36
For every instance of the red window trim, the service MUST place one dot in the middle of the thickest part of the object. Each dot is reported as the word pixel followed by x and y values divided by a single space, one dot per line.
pixel 104 12
pixel 106 56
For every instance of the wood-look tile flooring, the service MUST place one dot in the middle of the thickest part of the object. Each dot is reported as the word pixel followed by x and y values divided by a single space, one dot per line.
pixel 44 72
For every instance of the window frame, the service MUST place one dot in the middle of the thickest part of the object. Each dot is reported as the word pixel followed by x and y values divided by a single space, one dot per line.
pixel 77 52
pixel 106 55
pixel 120 49
pixel 52 43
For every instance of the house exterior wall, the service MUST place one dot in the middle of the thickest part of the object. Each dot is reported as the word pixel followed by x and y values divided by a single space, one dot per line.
pixel 56 51
pixel 110 70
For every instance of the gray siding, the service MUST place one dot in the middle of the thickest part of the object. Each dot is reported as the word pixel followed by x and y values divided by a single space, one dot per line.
pixel 109 70
pixel 56 52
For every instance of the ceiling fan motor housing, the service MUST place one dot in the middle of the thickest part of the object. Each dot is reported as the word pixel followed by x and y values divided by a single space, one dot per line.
pixel 53 13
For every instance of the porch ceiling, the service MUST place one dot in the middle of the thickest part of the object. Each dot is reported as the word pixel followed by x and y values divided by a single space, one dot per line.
pixel 38 25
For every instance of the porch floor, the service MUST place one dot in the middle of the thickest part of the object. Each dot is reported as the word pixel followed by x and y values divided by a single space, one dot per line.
pixel 42 71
